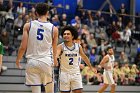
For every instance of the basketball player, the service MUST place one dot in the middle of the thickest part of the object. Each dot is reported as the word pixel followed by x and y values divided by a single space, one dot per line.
pixel 69 54
pixel 108 64
pixel 39 41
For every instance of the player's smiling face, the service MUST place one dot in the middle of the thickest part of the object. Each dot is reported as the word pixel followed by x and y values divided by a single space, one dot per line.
pixel 67 36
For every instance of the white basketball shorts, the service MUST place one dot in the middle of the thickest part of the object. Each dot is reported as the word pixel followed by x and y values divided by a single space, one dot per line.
pixel 70 82
pixel 108 77
pixel 38 73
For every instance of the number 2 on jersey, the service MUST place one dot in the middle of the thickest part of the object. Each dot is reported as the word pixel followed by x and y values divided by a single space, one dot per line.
pixel 70 61
pixel 40 34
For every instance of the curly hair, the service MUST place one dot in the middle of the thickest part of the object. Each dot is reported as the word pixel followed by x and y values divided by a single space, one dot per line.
pixel 72 30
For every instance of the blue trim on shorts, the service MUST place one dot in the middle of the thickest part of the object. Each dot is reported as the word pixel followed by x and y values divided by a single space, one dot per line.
pixel 39 84
pixel 49 82
pixel 65 91
pixel 77 89
pixel 72 90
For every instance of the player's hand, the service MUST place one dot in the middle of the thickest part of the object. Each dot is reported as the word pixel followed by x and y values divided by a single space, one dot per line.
pixel 94 70
pixel 55 63
pixel 18 64
pixel 99 67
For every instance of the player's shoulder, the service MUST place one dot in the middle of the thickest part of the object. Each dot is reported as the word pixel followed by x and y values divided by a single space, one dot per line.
pixel 60 45
pixel 26 26
pixel 106 56
pixel 55 28
pixel 28 23
pixel 77 46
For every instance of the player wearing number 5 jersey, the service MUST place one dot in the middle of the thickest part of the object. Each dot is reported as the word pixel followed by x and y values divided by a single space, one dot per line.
pixel 69 54
pixel 40 43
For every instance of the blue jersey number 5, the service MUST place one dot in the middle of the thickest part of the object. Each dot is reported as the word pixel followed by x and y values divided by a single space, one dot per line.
pixel 40 34
pixel 70 61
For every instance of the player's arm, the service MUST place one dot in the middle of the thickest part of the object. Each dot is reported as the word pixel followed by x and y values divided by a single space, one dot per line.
pixel 59 50
pixel 23 44
pixel 86 60
pixel 54 45
pixel 103 61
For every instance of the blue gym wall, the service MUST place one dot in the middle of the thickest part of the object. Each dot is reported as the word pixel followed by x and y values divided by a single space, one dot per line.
pixel 36 1
pixel 96 4
pixel 137 6
pixel 88 4
pixel 72 6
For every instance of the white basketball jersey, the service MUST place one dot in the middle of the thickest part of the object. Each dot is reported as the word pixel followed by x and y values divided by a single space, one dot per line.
pixel 40 41
pixel 69 59
pixel 110 62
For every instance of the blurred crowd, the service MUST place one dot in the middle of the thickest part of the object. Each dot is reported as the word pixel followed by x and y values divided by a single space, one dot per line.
pixel 96 32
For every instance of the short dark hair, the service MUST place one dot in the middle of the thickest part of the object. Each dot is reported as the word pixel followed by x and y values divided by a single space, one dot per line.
pixel 72 30
pixel 109 47
pixel 41 9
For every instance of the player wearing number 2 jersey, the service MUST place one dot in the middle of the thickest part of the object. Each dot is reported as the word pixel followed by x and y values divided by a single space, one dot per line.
pixel 40 43
pixel 69 54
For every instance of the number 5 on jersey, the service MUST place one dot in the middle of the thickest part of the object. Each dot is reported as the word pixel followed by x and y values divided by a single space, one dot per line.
pixel 40 34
